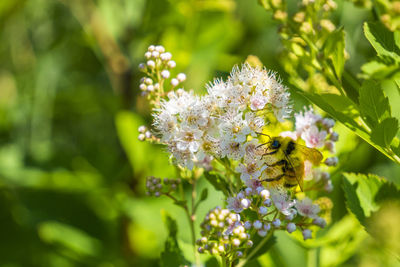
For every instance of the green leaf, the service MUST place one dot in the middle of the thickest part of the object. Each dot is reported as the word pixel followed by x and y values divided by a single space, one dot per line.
pixel 364 194
pixel 346 119
pixel 373 103
pixel 352 200
pixel 172 254
pixel 382 40
pixel 385 131
pixel 204 194
pixel 218 182
pixel 334 49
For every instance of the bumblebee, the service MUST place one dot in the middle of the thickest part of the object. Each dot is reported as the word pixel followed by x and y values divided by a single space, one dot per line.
pixel 285 160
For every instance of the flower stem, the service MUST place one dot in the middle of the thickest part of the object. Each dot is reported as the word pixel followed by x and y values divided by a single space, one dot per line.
pixel 256 249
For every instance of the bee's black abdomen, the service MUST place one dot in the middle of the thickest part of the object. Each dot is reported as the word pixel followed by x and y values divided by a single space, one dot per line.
pixel 290 147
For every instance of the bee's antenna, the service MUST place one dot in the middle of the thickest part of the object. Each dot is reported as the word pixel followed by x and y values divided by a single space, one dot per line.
pixel 264 135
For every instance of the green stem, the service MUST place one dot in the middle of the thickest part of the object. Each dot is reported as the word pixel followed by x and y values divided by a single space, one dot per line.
pixel 256 249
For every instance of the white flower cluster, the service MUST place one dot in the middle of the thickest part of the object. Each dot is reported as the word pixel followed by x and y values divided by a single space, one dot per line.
pixel 157 67
pixel 276 209
pixel 218 124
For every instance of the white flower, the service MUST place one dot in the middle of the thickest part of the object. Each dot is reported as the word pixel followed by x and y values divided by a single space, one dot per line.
pixel 306 119
pixel 313 137
pixel 282 201
pixel 251 169
pixel 234 127
pixel 258 101
pixel 232 149
pixel 238 203
pixel 254 122
pixel 306 208
pixel 188 139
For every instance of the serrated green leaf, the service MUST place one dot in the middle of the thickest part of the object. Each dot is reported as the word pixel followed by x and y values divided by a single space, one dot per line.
pixel 334 49
pixel 352 201
pixel 385 131
pixel 218 182
pixel 373 103
pixel 172 254
pixel 204 194
pixel 382 40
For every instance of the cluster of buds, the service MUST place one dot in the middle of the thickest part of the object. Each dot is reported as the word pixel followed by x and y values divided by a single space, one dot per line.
pixel 144 133
pixel 157 186
pixel 224 234
pixel 275 209
pixel 157 69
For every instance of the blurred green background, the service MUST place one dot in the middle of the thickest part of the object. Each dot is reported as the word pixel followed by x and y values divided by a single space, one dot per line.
pixel 71 169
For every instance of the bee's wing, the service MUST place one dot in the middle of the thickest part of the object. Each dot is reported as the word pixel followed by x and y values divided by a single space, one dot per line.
pixel 298 179
pixel 310 154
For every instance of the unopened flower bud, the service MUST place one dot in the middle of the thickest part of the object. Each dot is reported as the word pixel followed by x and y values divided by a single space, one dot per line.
pixel 150 88
pixel 247 225
pixel 142 87
pixel 276 223
pixel 157 194
pixel 147 55
pixel 267 202
pixel 141 137
pixel 160 49
pixel 148 134
pixel 334 137
pixel 262 233
pixel 200 250
pixel 166 56
pixel 239 254
pixel 171 64
pixel 306 234
pixel 151 64
pixel 265 194
pixel 165 74
pixel 236 242
pixel 325 176
pixel 332 161
pixel 174 82
pixel 291 227
pixel 221 249
pixel 257 224
pixel 320 222
pixel 249 244
pixel 263 210
pixel 142 66
pixel 328 123
pixel 245 203
pixel 181 77
pixel 151 48
pixel 155 54
pixel 142 129
pixel 329 145
pixel 148 81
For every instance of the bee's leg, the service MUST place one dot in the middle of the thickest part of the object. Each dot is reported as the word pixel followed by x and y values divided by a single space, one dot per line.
pixel 269 153
pixel 277 178
pixel 281 162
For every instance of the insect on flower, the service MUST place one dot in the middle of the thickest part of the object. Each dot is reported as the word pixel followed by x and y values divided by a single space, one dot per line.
pixel 285 160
